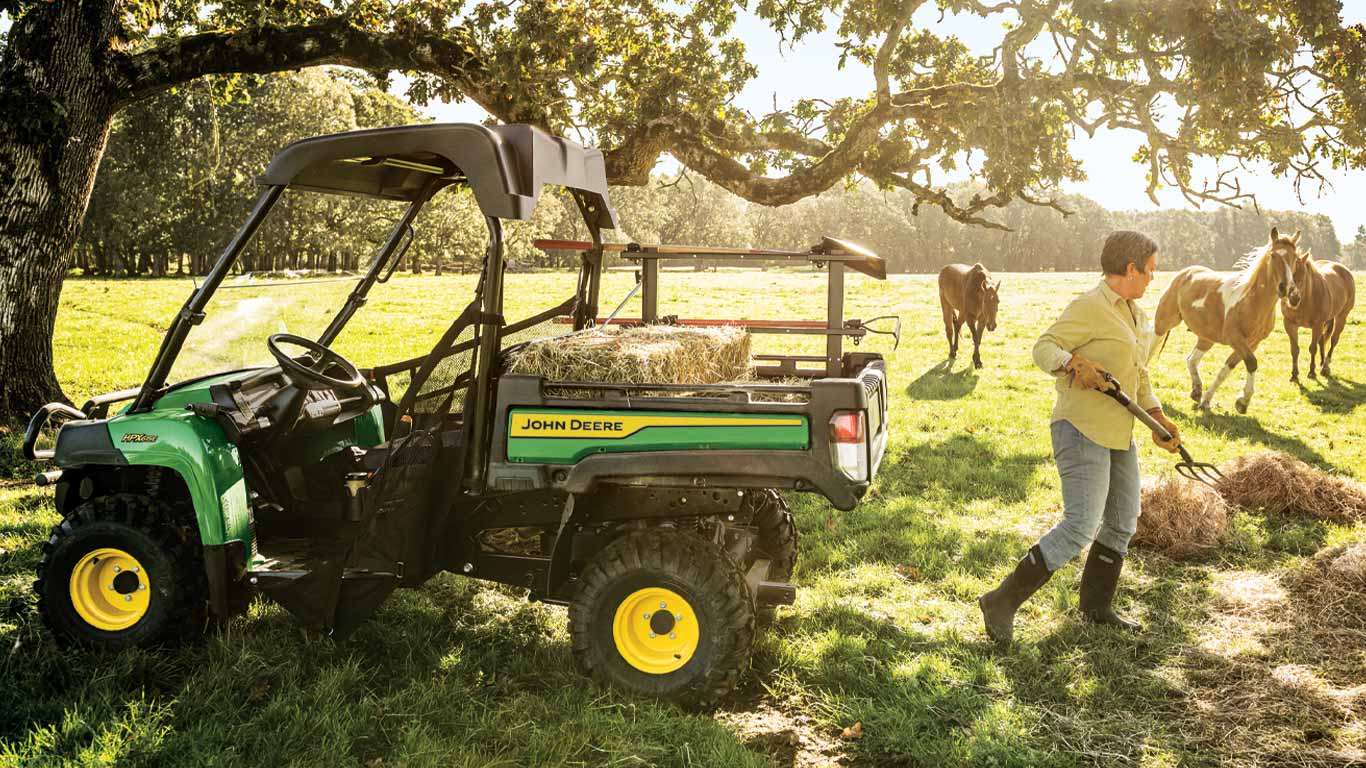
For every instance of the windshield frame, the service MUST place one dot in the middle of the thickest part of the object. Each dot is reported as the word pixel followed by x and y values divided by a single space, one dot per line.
pixel 192 313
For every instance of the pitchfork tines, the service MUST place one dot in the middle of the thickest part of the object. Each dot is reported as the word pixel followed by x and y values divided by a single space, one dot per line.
pixel 1188 467
pixel 1199 471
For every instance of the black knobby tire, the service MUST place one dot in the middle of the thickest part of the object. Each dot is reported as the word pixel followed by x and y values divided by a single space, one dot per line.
pixel 695 569
pixel 777 533
pixel 159 535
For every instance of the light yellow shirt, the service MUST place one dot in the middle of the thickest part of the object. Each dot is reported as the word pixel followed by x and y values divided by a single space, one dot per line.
pixel 1115 334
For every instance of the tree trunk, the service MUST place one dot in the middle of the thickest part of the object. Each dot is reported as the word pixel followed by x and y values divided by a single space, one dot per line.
pixel 52 134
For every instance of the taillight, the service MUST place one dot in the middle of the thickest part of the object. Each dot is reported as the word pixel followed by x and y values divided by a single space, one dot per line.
pixel 847 427
pixel 848 446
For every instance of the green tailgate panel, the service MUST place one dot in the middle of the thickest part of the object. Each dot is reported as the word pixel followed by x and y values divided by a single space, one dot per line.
pixel 566 435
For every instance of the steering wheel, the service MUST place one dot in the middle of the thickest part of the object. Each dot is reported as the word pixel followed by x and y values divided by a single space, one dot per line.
pixel 311 377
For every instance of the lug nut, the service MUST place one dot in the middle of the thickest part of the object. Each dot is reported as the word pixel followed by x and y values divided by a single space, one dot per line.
pixel 111 587
pixel 117 569
pixel 127 598
pixel 141 587
pixel 661 604
pixel 673 636
pixel 678 617
pixel 652 634
pixel 647 616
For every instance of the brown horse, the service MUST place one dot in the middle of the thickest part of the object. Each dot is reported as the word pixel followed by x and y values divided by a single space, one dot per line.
pixel 1238 310
pixel 1327 294
pixel 967 294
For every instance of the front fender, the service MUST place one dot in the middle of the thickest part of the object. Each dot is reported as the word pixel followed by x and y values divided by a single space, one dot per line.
pixel 196 449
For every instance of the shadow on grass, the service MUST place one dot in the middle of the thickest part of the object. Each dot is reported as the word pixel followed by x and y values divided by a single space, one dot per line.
pixel 1248 427
pixel 1336 395
pixel 962 467
pixel 422 677
pixel 941 382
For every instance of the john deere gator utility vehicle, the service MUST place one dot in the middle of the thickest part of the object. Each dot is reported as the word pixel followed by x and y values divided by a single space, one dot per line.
pixel 325 486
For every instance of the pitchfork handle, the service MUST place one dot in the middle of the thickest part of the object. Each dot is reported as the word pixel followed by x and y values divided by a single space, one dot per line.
pixel 1118 395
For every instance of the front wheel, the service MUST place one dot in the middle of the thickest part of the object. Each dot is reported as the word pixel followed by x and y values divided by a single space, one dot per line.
pixel 120 571
pixel 664 613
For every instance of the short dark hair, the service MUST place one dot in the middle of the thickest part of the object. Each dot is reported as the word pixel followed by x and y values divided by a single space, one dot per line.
pixel 1123 248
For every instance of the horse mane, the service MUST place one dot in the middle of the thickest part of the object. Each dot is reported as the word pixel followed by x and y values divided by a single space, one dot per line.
pixel 1249 263
pixel 977 275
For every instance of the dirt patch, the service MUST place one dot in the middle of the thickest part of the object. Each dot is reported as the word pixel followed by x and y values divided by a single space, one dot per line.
pixel 789 739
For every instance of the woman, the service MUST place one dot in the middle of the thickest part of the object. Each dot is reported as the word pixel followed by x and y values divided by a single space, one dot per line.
pixel 1101 330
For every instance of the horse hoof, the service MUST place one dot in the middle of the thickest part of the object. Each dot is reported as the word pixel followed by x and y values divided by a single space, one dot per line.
pixel 1241 405
pixel 1294 378
pixel 1196 395
pixel 977 364
pixel 1325 372
pixel 1313 375
pixel 1204 406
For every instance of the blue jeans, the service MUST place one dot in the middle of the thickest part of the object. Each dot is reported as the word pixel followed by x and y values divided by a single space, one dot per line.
pixel 1101 491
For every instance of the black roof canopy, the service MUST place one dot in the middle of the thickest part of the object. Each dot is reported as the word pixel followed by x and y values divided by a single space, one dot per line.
pixel 505 166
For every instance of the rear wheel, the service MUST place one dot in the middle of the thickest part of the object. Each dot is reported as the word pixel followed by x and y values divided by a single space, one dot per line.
pixel 122 570
pixel 664 613
pixel 777 532
pixel 776 541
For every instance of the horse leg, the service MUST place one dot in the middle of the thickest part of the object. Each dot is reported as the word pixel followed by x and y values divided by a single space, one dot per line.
pixel 1315 345
pixel 1293 331
pixel 1193 365
pixel 1229 365
pixel 957 332
pixel 1331 331
pixel 947 309
pixel 976 327
pixel 1249 360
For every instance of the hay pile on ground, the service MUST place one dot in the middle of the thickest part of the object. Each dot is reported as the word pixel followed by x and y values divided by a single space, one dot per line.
pixel 1278 483
pixel 1336 579
pixel 640 355
pixel 1181 518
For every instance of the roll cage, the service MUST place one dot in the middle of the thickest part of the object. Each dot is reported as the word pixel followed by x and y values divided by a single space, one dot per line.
pixel 504 167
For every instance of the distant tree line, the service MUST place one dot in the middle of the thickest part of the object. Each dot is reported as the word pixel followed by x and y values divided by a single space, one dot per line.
pixel 178 179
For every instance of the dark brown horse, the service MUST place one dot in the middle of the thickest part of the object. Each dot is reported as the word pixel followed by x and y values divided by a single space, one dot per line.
pixel 968 295
pixel 1327 294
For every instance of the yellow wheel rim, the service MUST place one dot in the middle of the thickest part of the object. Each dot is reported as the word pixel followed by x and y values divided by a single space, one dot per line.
pixel 110 589
pixel 655 630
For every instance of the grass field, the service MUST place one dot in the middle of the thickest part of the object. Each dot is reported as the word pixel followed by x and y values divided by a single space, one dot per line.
pixel 1232 671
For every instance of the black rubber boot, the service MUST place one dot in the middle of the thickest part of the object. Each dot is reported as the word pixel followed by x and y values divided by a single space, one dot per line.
pixel 1098 583
pixel 1000 604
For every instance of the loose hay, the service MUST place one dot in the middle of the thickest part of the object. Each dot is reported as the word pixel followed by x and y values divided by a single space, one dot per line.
pixel 1336 578
pixel 1181 518
pixel 1278 483
pixel 640 355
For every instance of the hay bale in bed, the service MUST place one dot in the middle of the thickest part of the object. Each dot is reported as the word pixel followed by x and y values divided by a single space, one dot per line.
pixel 1279 483
pixel 640 355
pixel 1181 518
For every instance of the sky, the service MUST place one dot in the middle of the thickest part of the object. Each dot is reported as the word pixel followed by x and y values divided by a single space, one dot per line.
pixel 1115 181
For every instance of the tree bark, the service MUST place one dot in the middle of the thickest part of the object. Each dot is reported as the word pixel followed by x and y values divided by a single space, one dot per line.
pixel 52 134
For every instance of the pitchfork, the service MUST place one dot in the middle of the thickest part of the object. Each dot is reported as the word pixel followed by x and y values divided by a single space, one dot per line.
pixel 1188 467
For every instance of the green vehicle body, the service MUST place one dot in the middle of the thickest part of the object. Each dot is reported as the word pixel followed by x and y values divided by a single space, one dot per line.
pixel 173 437
pixel 324 486
pixel 568 435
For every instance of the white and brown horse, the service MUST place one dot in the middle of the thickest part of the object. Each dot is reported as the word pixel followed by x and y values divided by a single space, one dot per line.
pixel 1327 294
pixel 967 294
pixel 1238 310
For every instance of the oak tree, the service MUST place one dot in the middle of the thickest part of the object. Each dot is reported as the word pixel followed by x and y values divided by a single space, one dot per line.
pixel 1275 82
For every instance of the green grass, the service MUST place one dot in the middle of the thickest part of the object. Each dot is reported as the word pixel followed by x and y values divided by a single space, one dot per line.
pixel 1231 671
